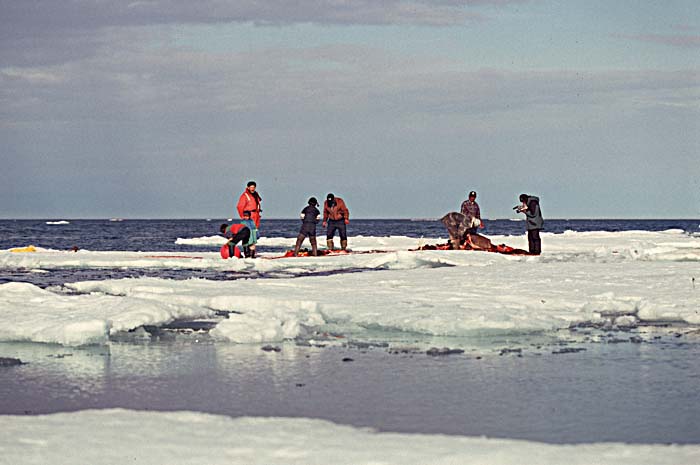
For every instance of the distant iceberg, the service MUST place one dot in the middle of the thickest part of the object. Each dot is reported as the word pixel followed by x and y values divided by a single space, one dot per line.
pixel 58 222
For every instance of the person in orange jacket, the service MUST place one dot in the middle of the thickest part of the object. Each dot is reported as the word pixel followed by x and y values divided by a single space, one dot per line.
pixel 250 201
pixel 335 216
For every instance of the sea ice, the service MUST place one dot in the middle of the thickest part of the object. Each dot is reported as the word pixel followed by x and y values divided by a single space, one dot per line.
pixel 583 278
pixel 120 436
pixel 29 313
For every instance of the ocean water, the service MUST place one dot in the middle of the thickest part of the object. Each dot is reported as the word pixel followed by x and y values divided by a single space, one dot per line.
pixel 160 234
pixel 597 340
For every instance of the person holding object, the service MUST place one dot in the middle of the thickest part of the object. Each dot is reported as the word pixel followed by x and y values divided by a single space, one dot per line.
pixel 336 216
pixel 309 217
pixel 530 205
pixel 470 209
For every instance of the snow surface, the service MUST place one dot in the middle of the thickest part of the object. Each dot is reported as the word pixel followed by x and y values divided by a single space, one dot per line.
pixel 599 247
pixel 29 313
pixel 361 243
pixel 620 279
pixel 125 436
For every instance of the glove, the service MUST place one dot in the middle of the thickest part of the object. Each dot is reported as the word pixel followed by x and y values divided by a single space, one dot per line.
pixel 347 221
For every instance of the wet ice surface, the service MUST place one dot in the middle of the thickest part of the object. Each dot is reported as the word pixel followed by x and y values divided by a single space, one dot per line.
pixel 585 386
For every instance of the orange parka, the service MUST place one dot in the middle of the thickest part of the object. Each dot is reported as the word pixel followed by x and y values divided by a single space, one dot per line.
pixel 250 202
pixel 339 211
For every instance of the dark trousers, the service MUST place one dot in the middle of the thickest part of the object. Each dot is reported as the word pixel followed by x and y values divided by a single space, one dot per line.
pixel 307 230
pixel 338 225
pixel 534 241
pixel 242 236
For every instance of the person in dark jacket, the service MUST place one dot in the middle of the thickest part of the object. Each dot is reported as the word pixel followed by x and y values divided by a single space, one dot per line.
pixel 534 223
pixel 310 216
pixel 336 216
pixel 470 209
pixel 244 232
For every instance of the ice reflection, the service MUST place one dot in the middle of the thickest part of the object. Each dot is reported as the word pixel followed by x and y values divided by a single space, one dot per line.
pixel 529 389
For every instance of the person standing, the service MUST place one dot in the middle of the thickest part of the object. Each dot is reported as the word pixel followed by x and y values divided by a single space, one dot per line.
pixel 309 218
pixel 534 223
pixel 250 201
pixel 470 209
pixel 336 216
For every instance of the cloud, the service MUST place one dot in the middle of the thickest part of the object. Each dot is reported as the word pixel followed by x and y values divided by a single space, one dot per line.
pixel 35 32
pixel 673 40
pixel 91 14
pixel 127 81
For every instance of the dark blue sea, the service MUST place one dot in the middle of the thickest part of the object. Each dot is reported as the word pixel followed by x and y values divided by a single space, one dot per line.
pixel 161 234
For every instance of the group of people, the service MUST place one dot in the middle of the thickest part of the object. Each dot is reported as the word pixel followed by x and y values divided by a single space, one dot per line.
pixel 529 205
pixel 336 217
pixel 244 230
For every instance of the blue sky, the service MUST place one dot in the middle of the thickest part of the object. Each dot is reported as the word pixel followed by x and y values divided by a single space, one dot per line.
pixel 166 108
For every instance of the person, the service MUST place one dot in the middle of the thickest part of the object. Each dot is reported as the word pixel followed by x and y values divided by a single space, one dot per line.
pixel 530 206
pixel 461 238
pixel 470 209
pixel 336 217
pixel 309 218
pixel 243 231
pixel 250 201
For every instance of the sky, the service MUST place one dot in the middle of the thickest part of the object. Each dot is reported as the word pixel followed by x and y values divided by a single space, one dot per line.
pixel 166 108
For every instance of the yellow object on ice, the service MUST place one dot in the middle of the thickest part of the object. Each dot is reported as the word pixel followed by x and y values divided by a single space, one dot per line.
pixel 29 248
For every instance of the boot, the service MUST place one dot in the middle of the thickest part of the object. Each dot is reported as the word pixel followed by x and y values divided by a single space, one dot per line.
pixel 314 248
pixel 252 251
pixel 246 251
pixel 344 244
pixel 297 246
pixel 329 244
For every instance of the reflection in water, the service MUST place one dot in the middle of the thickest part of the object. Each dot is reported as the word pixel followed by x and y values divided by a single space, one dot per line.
pixel 621 391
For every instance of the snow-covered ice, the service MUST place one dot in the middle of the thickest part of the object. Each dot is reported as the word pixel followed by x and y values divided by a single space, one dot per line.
pixel 29 313
pixel 126 436
pixel 582 278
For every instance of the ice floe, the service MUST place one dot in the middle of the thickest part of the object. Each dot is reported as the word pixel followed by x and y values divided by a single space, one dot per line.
pixel 29 313
pixel 118 436
pixel 605 279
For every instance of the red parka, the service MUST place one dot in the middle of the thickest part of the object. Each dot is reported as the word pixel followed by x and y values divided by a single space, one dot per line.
pixel 250 202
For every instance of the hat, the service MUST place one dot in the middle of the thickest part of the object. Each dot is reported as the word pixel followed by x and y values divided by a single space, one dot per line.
pixel 523 197
pixel 313 202
pixel 330 197
pixel 472 194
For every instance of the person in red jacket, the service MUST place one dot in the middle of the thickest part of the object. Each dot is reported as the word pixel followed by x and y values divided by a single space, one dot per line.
pixel 336 216
pixel 235 233
pixel 250 201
